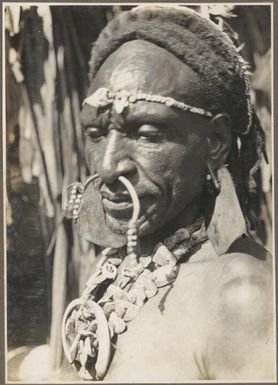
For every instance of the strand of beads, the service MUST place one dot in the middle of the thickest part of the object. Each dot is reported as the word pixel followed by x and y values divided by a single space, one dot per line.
pixel 102 97
pixel 132 244
pixel 75 200
pixel 132 236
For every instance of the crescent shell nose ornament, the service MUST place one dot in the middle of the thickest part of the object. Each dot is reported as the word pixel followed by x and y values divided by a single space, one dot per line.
pixel 86 334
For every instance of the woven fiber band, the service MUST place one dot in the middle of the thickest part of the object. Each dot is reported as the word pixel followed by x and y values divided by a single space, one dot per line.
pixel 120 100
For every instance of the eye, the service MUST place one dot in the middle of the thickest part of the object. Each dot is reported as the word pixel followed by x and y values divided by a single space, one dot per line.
pixel 151 133
pixel 95 133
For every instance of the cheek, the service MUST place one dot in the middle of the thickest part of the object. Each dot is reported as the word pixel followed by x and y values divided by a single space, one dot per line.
pixel 92 154
pixel 187 168
pixel 154 161
pixel 172 161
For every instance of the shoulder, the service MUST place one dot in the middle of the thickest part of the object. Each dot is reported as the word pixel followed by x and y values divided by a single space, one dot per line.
pixel 244 282
pixel 241 326
pixel 242 290
pixel 237 279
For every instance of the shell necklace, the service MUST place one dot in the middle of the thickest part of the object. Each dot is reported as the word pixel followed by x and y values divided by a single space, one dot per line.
pixel 116 292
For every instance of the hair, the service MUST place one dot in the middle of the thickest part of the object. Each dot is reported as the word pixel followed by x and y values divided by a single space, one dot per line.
pixel 200 44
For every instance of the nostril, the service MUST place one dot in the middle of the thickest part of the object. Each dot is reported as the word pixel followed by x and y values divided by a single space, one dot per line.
pixel 108 176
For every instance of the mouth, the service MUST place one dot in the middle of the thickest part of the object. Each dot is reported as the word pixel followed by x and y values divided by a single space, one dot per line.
pixel 118 206
pixel 121 209
pixel 116 197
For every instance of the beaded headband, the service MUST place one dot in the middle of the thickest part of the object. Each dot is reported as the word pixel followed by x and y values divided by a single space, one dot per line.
pixel 121 99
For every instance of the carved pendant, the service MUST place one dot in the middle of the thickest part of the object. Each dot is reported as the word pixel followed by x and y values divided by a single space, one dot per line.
pixel 86 339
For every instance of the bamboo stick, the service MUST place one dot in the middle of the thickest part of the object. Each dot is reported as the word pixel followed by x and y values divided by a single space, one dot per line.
pixel 59 290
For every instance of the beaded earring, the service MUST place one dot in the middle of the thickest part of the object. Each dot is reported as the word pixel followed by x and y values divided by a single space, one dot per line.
pixel 73 198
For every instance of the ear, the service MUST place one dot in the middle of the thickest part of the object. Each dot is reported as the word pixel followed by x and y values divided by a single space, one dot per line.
pixel 219 139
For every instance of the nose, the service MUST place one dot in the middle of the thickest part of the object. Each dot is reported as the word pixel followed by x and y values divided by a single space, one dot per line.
pixel 115 161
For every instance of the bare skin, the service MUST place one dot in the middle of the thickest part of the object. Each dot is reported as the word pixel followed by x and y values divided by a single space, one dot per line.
pixel 209 330
pixel 216 325
pixel 217 322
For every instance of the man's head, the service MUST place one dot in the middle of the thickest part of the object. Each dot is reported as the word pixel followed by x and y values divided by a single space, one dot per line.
pixel 163 151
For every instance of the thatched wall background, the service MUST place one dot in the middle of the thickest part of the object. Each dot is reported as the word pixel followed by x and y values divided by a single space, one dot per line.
pixel 47 53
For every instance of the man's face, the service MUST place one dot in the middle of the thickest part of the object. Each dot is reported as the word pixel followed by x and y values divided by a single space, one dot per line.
pixel 162 150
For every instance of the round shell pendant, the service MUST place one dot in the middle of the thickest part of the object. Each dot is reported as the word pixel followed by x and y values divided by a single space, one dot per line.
pixel 86 339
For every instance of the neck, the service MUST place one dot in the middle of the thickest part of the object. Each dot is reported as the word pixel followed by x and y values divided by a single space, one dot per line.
pixel 185 218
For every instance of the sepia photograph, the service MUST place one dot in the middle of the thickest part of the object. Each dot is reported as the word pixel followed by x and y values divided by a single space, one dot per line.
pixel 138 163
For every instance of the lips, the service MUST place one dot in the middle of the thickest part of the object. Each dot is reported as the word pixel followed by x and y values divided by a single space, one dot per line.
pixel 122 208
pixel 116 197
pixel 118 204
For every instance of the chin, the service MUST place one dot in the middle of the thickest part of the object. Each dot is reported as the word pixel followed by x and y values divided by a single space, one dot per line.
pixel 119 226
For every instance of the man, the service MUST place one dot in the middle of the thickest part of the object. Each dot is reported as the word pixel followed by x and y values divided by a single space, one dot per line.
pixel 167 108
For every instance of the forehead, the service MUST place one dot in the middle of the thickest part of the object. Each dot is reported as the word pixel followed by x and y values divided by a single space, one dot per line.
pixel 140 66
